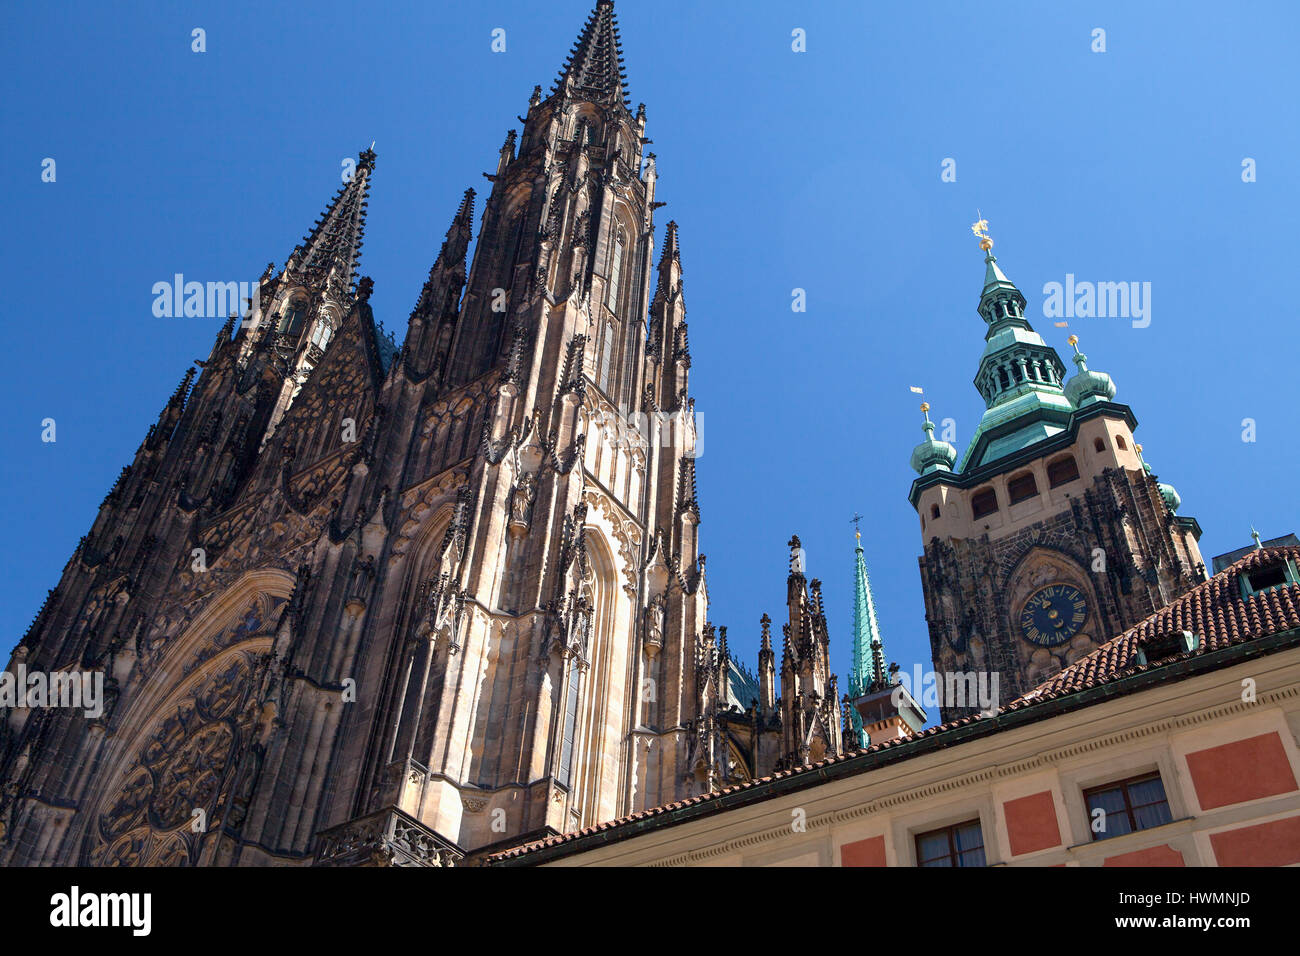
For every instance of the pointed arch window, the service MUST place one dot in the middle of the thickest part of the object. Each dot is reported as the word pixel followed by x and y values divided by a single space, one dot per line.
pixel 291 321
pixel 570 725
pixel 615 275
pixel 320 337
pixel 606 371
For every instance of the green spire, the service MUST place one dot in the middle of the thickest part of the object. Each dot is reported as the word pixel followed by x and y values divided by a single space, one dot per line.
pixel 867 669
pixel 1020 377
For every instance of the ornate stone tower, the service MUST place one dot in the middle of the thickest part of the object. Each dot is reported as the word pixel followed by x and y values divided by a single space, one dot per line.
pixel 811 725
pixel 355 603
pixel 1051 536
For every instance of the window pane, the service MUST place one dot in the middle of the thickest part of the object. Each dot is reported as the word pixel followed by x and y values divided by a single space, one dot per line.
pixel 941 861
pixel 969 837
pixel 1155 815
pixel 615 275
pixel 1112 801
pixel 607 359
pixel 1146 791
pixel 930 846
pixel 1115 822
pixel 972 858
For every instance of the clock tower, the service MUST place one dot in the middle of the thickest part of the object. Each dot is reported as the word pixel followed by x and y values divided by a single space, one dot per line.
pixel 1051 535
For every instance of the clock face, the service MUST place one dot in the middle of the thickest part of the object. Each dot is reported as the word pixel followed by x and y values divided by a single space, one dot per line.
pixel 1053 615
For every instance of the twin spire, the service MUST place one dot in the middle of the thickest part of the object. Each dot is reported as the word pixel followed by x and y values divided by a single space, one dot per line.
pixel 595 64
pixel 334 244
pixel 594 67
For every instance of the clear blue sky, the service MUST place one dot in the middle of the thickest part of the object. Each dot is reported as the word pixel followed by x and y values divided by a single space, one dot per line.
pixel 818 170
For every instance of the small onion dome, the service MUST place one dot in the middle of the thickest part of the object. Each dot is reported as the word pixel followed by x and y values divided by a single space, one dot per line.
pixel 1170 494
pixel 1087 386
pixel 932 455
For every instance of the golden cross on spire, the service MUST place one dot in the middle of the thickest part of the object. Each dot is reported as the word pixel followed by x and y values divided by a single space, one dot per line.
pixel 981 229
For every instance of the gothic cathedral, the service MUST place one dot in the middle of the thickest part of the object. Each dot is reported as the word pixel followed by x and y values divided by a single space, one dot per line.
pixel 359 603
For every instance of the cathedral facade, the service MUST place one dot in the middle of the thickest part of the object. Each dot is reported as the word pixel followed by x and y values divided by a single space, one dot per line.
pixel 359 603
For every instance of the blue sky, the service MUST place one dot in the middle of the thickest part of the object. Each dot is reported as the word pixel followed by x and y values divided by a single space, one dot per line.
pixel 818 170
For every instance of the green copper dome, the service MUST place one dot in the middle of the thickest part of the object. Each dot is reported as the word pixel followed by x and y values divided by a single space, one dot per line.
pixel 932 455
pixel 1170 494
pixel 1087 386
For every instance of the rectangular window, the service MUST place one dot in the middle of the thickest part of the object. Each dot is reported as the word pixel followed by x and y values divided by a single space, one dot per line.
pixel 1266 578
pixel 1022 488
pixel 984 503
pixel 1062 470
pixel 959 845
pixel 1137 803
pixel 615 276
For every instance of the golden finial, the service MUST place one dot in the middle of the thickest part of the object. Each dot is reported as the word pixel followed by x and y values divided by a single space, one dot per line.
pixel 1138 449
pixel 981 230
pixel 1074 342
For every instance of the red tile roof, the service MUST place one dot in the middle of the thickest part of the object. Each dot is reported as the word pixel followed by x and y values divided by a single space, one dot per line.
pixel 1214 611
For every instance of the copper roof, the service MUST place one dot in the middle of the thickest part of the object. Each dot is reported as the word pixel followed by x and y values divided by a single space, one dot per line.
pixel 1214 611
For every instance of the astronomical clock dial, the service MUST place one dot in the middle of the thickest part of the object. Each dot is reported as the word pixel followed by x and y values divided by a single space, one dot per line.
pixel 1053 615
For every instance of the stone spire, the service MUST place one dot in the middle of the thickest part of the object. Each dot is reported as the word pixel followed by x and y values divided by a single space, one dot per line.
pixel 867 667
pixel 670 265
pixel 811 724
pixel 595 64
pixel 667 344
pixel 766 668
pixel 450 264
pixel 334 244
pixel 433 320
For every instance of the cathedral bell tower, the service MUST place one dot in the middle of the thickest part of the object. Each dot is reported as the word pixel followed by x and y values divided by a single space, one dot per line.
pixel 1051 535
pixel 550 604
